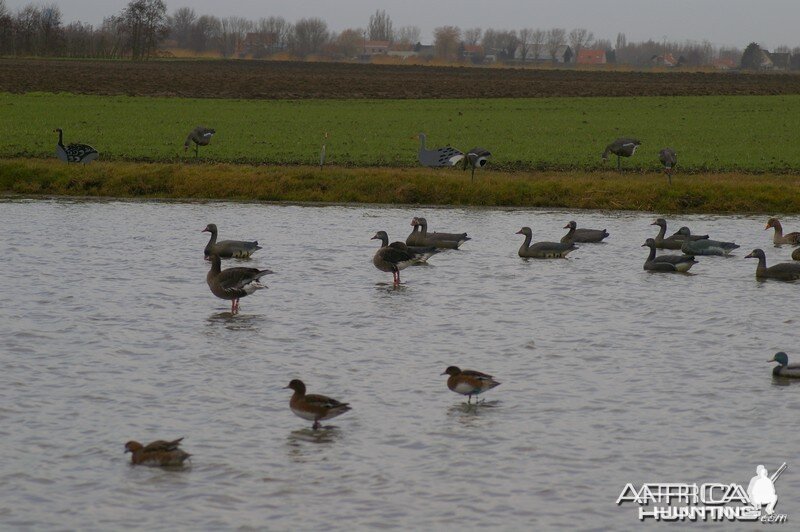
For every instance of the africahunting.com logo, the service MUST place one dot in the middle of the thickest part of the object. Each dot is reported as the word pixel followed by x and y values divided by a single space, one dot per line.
pixel 708 502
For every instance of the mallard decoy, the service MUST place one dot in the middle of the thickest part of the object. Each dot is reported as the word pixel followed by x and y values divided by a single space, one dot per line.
pixel 673 242
pixel 666 263
pixel 74 153
pixel 668 159
pixel 421 237
pixel 396 256
pixel 158 453
pixel 704 246
pixel 583 235
pixel 233 283
pixel 314 407
pixel 469 382
pixel 447 156
pixel 622 147
pixel 543 250
pixel 784 271
pixel 778 237
pixel 476 158
pixel 201 136
pixel 784 369
pixel 226 249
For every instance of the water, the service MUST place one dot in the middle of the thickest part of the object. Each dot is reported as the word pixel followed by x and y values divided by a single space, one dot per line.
pixel 610 374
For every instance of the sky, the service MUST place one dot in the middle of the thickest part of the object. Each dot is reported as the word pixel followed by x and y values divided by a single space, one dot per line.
pixel 722 22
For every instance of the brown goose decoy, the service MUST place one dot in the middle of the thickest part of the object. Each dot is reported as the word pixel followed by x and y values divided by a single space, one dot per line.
pixel 476 158
pixel 543 250
pixel 622 147
pixel 201 136
pixel 421 237
pixel 704 246
pixel 158 453
pixel 784 271
pixel 668 159
pixel 673 242
pixel 666 263
pixel 314 407
pixel 226 249
pixel 778 237
pixel 233 283
pixel 397 256
pixel 583 235
pixel 469 382
pixel 74 153
pixel 447 156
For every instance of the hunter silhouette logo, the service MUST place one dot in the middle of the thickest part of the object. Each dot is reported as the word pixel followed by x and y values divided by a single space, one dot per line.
pixel 761 489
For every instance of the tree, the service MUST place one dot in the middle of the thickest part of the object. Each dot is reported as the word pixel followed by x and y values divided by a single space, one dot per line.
pixel 752 57
pixel 350 43
pixel 380 27
pixel 232 31
pixel 472 36
pixel 276 32
pixel 555 38
pixel 310 34
pixel 6 28
pixel 507 42
pixel 446 40
pixel 203 33
pixel 180 26
pixel 145 24
pixel 580 38
pixel 407 35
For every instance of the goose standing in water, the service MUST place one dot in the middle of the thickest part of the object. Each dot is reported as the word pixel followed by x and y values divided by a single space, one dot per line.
pixel 158 453
pixel 447 156
pixel 476 158
pixel 666 263
pixel 704 246
pixel 421 253
pixel 233 283
pixel 469 382
pixel 668 159
pixel 673 242
pixel 396 256
pixel 784 271
pixel 784 369
pixel 543 250
pixel 201 136
pixel 314 407
pixel 778 237
pixel 622 147
pixel 74 153
pixel 421 237
pixel 583 235
pixel 226 249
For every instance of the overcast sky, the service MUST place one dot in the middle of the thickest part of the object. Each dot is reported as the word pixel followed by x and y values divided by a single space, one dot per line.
pixel 723 22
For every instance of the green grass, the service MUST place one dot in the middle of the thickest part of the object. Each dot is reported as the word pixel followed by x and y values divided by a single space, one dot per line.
pixel 710 133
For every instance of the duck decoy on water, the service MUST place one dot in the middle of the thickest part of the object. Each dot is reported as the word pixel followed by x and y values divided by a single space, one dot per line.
pixel 622 147
pixel 314 407
pixel 704 246
pixel 157 453
pixel 233 283
pixel 227 249
pixel 668 159
pixel 796 254
pixel 201 136
pixel 778 237
pixel 469 382
pixel 447 156
pixel 673 242
pixel 543 250
pixel 397 256
pixel 476 158
pixel 421 237
pixel 74 153
pixel 784 271
pixel 583 235
pixel 784 369
pixel 666 263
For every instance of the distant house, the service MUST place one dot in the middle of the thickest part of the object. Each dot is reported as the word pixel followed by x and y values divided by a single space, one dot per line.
pixel 376 48
pixel 425 50
pixel 591 57
pixel 724 63
pixel 765 62
pixel 402 50
pixel 780 60
pixel 666 60
pixel 472 52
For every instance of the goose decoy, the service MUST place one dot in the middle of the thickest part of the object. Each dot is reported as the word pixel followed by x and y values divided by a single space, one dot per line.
pixel 201 136
pixel 673 242
pixel 233 283
pixel 796 254
pixel 784 369
pixel 226 249
pixel 74 153
pixel 422 253
pixel 543 250
pixel 666 263
pixel 447 156
pixel 778 237
pixel 784 271
pixel 396 256
pixel 469 382
pixel 668 159
pixel 421 237
pixel 158 453
pixel 622 147
pixel 314 407
pixel 476 158
pixel 704 246
pixel 583 235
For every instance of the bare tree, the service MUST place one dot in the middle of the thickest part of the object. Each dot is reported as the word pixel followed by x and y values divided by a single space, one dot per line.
pixel 232 31
pixel 472 36
pixel 310 34
pixel 525 37
pixel 180 25
pixel 507 42
pixel 276 31
pixel 580 38
pixel 204 32
pixel 537 43
pixel 555 39
pixel 380 26
pixel 145 24
pixel 407 35
pixel 350 43
pixel 446 41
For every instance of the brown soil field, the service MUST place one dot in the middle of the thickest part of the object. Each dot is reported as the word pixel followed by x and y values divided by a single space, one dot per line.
pixel 301 80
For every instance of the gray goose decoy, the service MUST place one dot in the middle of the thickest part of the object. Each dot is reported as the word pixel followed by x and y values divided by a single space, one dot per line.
pixel 421 237
pixel 622 147
pixel 673 242
pixel 421 253
pixel 796 254
pixel 201 136
pixel 583 235
pixel 668 159
pixel 704 246
pixel 476 158
pixel 784 369
pixel 74 153
pixel 784 271
pixel 394 257
pixel 543 250
pixel 233 283
pixel 226 249
pixel 666 263
pixel 778 237
pixel 447 156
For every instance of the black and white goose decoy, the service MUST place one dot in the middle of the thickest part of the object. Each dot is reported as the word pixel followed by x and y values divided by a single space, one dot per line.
pixel 421 237
pixel 666 263
pixel 583 235
pixel 543 250
pixel 668 159
pixel 74 153
pixel 227 249
pixel 622 147
pixel 476 158
pixel 233 283
pixel 201 136
pixel 778 237
pixel 447 156
pixel 673 242
pixel 784 271
pixel 396 256
pixel 704 246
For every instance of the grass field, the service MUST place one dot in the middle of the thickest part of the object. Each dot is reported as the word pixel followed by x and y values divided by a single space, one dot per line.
pixel 750 134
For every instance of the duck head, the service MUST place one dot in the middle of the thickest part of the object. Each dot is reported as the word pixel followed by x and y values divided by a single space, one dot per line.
pixel 133 446
pixel 649 243
pixel 756 253
pixel 683 231
pixel 571 225
pixel 781 358
pixel 452 370
pixel 297 385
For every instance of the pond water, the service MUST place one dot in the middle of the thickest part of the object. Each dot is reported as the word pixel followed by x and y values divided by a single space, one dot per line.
pixel 609 374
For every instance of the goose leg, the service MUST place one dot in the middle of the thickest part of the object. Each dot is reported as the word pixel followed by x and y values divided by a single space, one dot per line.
pixel 316 425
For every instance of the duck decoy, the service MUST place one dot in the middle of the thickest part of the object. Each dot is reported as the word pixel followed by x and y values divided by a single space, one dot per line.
pixel 476 158
pixel 226 249
pixel 673 242
pixel 704 246
pixel 158 453
pixel 397 256
pixel 74 153
pixel 784 271
pixel 666 263
pixel 543 250
pixel 583 235
pixel 447 156
pixel 622 147
pixel 421 237
pixel 668 159
pixel 784 369
pixel 796 254
pixel 314 407
pixel 778 237
pixel 469 382
pixel 233 283
pixel 201 136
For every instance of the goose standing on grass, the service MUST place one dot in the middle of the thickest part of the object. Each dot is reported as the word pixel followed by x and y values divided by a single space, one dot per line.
pixel 233 283
pixel 421 237
pixel 469 382
pixel 447 156
pixel 666 263
pixel 784 271
pixel 583 235
pixel 778 237
pixel 227 249
pixel 396 256
pixel 158 453
pixel 476 158
pixel 704 246
pixel 201 136
pixel 314 407
pixel 673 242
pixel 543 250
pixel 784 369
pixel 74 153
pixel 622 147
pixel 668 159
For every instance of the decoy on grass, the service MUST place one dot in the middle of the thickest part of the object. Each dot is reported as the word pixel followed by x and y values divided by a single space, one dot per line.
pixel 447 156
pixel 227 249
pixel 796 254
pixel 314 407
pixel 476 158
pixel 543 250
pixel 668 159
pixel 666 263
pixel 469 382
pixel 704 246
pixel 583 235
pixel 778 237
pixel 784 369
pixel 421 237
pixel 158 453
pixel 201 136
pixel 784 271
pixel 74 153
pixel 397 256
pixel 233 283
pixel 673 242
pixel 622 147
